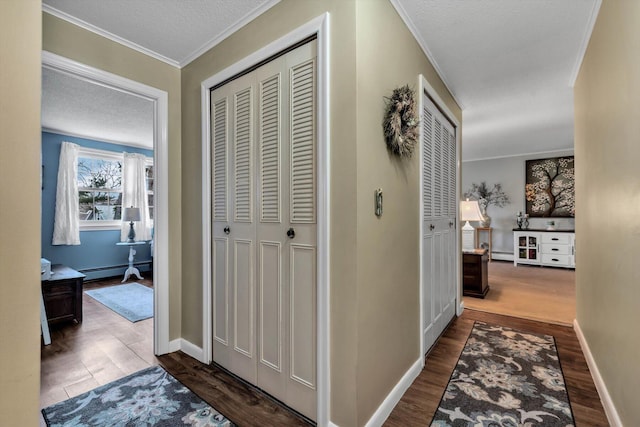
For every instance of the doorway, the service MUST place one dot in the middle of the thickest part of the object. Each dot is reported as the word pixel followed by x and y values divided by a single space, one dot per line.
pixel 318 29
pixel 159 122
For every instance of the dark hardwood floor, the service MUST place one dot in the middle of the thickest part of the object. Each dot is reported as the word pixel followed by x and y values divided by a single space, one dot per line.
pixel 106 347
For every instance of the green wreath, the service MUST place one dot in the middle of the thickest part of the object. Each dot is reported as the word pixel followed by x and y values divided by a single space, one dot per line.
pixel 400 123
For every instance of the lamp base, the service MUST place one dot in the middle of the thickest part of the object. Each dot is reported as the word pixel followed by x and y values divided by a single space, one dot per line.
pixel 468 237
pixel 132 234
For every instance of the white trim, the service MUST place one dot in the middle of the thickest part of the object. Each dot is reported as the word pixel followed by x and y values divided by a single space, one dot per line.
pixel 106 34
pixel 100 225
pixel 174 345
pixel 161 179
pixel 98 139
pixel 191 349
pixel 460 308
pixel 423 45
pixel 502 256
pixel 585 42
pixel 319 26
pixel 228 32
pixel 384 410
pixel 605 397
pixel 534 153
pixel 425 87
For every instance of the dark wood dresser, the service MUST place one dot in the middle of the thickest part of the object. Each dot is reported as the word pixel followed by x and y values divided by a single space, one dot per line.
pixel 475 281
pixel 63 294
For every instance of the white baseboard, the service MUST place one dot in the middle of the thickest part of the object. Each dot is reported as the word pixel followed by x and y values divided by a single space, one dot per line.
pixel 174 345
pixel 384 410
pixel 187 348
pixel 605 397
pixel 191 349
pixel 501 256
pixel 460 308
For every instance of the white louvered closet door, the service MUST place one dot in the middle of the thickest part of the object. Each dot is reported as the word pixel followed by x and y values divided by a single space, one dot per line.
pixel 439 245
pixel 265 268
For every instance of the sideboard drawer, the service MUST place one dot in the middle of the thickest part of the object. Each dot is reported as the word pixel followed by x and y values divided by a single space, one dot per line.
pixel 548 248
pixel 552 259
pixel 562 238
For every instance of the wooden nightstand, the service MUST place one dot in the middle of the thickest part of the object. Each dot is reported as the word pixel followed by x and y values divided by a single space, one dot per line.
pixel 475 281
pixel 63 294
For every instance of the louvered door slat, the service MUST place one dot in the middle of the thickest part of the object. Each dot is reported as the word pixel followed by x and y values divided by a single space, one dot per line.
pixel 437 169
pixel 243 125
pixel 427 160
pixel 302 143
pixel 219 175
pixel 270 149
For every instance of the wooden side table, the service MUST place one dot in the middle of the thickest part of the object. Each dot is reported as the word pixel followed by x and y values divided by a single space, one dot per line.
pixel 488 230
pixel 475 282
pixel 62 294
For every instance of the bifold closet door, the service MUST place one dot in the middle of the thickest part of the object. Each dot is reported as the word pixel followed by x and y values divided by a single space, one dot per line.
pixel 439 165
pixel 264 148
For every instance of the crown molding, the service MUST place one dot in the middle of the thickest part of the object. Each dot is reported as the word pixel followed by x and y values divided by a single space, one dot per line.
pixel 585 42
pixel 106 34
pixel 534 153
pixel 228 32
pixel 423 45
pixel 97 138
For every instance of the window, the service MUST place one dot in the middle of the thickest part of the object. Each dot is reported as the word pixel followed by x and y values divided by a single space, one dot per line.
pixel 100 188
pixel 149 174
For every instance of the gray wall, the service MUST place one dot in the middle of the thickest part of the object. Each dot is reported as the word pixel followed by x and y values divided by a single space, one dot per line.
pixel 508 171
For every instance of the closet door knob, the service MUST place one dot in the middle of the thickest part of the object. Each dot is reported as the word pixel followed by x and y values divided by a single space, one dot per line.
pixel 227 230
pixel 432 227
pixel 291 233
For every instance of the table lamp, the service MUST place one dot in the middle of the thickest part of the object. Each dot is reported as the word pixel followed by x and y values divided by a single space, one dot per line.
pixel 131 214
pixel 469 211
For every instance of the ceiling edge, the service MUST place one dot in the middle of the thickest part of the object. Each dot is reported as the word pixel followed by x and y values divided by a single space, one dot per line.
pixel 423 45
pixel 228 32
pixel 96 138
pixel 585 43
pixel 506 156
pixel 99 31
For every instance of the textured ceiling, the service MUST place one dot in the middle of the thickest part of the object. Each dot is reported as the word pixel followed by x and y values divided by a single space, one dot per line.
pixel 171 30
pixel 174 31
pixel 75 106
pixel 510 64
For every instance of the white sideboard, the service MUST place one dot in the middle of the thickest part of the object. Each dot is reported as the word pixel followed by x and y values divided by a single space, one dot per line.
pixel 544 247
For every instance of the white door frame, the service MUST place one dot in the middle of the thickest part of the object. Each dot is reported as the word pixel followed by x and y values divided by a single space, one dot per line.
pixel 161 178
pixel 425 87
pixel 318 26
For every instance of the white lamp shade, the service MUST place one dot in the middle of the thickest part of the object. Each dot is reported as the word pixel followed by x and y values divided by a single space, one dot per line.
pixel 470 211
pixel 131 214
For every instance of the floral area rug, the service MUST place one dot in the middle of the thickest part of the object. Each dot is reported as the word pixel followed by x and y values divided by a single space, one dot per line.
pixel 505 377
pixel 151 397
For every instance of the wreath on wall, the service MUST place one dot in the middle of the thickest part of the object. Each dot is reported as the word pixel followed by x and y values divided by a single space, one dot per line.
pixel 400 123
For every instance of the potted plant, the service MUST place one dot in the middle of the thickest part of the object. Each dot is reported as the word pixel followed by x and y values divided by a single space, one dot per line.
pixel 487 197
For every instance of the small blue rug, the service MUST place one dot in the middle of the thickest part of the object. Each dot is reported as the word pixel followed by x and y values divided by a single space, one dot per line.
pixel 151 397
pixel 132 301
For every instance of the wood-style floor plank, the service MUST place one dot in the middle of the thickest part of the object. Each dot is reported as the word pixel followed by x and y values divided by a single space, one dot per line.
pixel 546 294
pixel 418 405
pixel 97 352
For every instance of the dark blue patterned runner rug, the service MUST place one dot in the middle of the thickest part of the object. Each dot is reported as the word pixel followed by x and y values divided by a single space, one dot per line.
pixel 505 378
pixel 150 397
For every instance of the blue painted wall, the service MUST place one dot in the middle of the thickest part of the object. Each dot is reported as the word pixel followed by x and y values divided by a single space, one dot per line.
pixel 97 256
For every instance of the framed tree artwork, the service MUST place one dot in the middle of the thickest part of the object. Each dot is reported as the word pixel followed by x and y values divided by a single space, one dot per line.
pixel 550 187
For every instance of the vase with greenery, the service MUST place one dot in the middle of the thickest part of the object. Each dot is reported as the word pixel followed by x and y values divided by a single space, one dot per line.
pixel 486 197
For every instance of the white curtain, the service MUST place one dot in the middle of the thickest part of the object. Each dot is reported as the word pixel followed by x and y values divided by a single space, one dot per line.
pixel 66 225
pixel 134 193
